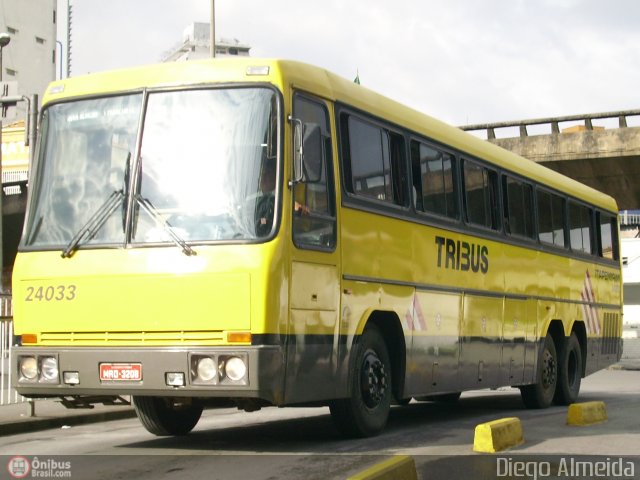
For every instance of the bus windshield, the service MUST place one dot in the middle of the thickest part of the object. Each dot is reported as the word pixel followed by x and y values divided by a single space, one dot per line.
pixel 201 166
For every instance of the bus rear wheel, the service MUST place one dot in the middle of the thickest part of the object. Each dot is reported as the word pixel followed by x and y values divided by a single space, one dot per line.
pixel 165 416
pixel 541 393
pixel 569 372
pixel 365 412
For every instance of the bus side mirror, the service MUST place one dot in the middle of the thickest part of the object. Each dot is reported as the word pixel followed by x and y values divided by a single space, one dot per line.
pixel 307 152
pixel 298 151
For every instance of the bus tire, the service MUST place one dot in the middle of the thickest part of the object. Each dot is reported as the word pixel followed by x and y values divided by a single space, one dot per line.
pixel 541 393
pixel 165 416
pixel 365 412
pixel 569 372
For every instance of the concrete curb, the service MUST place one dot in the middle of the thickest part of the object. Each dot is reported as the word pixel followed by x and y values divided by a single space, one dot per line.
pixel 586 413
pixel 492 437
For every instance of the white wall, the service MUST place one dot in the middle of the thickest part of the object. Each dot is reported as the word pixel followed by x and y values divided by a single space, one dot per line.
pixel 630 250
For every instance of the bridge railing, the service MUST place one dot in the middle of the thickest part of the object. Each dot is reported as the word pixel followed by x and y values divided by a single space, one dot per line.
pixel 553 122
pixel 629 219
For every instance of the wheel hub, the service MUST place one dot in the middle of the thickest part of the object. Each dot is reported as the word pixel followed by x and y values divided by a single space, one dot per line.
pixel 373 381
pixel 549 370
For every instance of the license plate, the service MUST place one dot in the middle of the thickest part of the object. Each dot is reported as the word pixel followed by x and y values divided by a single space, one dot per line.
pixel 120 372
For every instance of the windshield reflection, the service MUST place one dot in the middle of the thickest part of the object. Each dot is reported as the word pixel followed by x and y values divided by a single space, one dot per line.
pixel 203 153
pixel 207 164
pixel 84 150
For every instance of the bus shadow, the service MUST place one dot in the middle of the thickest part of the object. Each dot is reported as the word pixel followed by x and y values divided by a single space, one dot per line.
pixel 418 424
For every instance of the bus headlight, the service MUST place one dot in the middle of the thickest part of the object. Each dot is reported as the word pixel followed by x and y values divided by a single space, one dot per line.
pixel 49 369
pixel 235 368
pixel 28 368
pixel 218 370
pixel 207 370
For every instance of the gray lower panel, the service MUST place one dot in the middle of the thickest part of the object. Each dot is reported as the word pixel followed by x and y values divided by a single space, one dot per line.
pixel 265 376
pixel 602 352
pixel 450 364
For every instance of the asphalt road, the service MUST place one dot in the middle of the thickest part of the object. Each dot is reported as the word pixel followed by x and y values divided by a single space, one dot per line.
pixel 298 443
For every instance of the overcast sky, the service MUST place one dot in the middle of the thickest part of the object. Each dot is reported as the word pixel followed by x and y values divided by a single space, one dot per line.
pixel 463 61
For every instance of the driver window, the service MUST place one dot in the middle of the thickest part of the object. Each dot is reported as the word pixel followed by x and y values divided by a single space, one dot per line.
pixel 314 222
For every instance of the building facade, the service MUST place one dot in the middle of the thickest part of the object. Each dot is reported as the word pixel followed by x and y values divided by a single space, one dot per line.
pixel 30 57
pixel 28 65
pixel 195 45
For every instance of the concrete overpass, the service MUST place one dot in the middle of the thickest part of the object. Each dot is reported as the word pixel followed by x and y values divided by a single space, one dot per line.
pixel 607 159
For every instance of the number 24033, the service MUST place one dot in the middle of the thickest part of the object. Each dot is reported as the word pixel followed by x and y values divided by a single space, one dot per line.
pixel 51 293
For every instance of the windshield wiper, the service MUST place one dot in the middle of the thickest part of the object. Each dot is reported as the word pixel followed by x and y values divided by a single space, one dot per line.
pixel 148 207
pixel 94 223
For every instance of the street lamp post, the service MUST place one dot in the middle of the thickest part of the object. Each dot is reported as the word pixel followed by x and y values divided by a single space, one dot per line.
pixel 212 29
pixel 4 41
pixel 59 44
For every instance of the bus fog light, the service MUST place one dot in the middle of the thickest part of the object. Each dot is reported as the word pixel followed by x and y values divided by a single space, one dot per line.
pixel 71 378
pixel 28 368
pixel 235 368
pixel 207 369
pixel 174 379
pixel 49 368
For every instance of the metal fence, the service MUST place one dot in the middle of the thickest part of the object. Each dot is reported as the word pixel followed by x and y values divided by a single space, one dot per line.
pixel 629 218
pixel 7 394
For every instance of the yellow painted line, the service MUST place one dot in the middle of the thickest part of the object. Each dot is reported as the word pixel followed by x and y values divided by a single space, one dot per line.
pixel 401 467
pixel 498 435
pixel 586 413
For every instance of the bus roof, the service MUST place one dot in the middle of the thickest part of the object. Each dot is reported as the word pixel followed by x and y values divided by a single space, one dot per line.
pixel 286 74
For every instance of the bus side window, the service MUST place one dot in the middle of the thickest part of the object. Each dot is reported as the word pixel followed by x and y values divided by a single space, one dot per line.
pixel 314 218
pixel 580 228
pixel 608 237
pixel 434 180
pixel 551 214
pixel 481 195
pixel 376 166
pixel 518 205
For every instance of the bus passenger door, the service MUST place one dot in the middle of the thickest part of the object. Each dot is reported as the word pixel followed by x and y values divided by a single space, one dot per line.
pixel 313 330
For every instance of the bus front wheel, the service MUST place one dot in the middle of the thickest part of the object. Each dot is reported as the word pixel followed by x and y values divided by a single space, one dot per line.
pixel 540 394
pixel 365 412
pixel 167 416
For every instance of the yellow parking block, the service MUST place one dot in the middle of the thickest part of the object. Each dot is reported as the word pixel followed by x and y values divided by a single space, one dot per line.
pixel 401 467
pixel 586 413
pixel 498 435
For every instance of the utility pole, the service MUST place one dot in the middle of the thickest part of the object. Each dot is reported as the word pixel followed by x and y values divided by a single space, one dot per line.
pixel 212 29
pixel 4 41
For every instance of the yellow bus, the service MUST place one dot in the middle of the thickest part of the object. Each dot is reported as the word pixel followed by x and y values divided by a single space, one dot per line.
pixel 265 233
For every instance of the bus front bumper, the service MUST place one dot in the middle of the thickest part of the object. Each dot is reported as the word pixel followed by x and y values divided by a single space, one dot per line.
pixel 223 372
